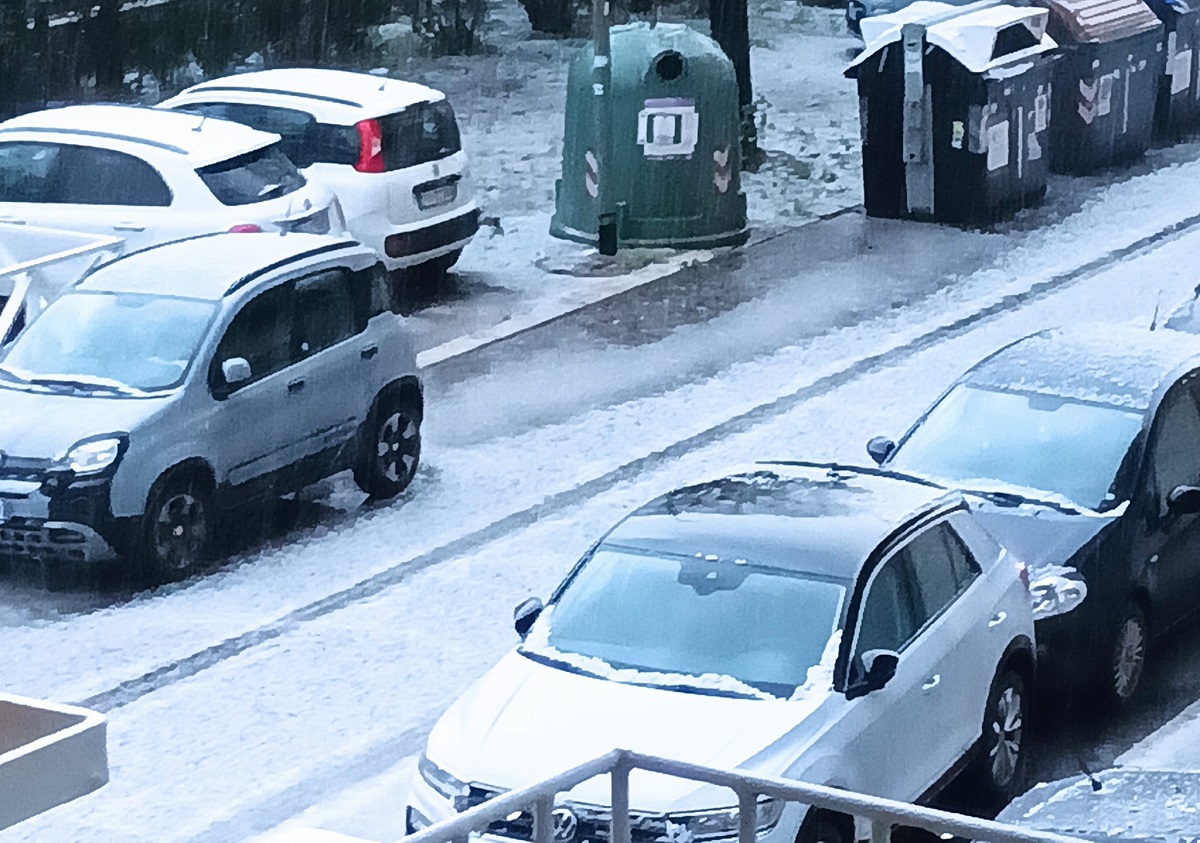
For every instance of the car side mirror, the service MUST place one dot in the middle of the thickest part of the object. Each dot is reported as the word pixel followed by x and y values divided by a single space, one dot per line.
pixel 1184 500
pixel 878 668
pixel 525 614
pixel 880 448
pixel 236 370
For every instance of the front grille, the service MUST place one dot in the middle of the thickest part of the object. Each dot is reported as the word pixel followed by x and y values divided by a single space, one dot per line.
pixel 593 821
pixel 23 468
pixel 28 542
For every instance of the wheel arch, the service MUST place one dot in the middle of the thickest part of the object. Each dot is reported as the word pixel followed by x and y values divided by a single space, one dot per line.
pixel 1019 656
pixel 406 388
pixel 197 467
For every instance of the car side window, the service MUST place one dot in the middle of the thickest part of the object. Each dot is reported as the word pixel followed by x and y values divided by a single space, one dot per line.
pixel 260 333
pixel 373 294
pixel 887 620
pixel 1175 448
pixel 325 312
pixel 942 569
pixel 27 171
pixel 93 176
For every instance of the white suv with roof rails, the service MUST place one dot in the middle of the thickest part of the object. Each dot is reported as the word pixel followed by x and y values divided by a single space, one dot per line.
pixel 176 382
pixel 150 176
pixel 389 149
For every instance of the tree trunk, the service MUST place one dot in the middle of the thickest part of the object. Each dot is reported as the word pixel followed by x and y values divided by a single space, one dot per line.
pixel 730 25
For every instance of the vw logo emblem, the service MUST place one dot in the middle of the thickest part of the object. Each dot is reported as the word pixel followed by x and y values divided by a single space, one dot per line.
pixel 565 825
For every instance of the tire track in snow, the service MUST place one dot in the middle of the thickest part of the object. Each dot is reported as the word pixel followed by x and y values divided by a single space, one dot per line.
pixel 134 689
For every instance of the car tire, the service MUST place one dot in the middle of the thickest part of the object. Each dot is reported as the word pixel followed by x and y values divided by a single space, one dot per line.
pixel 177 528
pixel 1125 660
pixel 821 826
pixel 390 446
pixel 998 768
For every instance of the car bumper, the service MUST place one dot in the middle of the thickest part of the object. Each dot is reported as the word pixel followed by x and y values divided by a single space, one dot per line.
pixel 416 245
pixel 72 525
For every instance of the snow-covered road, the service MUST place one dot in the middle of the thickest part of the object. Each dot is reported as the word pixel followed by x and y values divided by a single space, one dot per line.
pixel 240 699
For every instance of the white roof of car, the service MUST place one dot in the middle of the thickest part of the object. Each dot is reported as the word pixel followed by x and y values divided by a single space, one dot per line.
pixel 968 34
pixel 331 96
pixel 202 141
pixel 207 266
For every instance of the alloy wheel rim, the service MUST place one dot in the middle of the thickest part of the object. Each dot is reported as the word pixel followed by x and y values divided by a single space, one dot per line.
pixel 180 531
pixel 1007 727
pixel 1129 656
pixel 397 446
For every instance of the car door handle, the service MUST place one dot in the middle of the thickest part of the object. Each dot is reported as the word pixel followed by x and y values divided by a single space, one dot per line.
pixel 295 386
pixel 369 352
pixel 998 618
pixel 932 682
pixel 128 226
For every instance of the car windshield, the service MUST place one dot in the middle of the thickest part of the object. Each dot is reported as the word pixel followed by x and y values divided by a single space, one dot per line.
pixel 109 342
pixel 690 623
pixel 254 177
pixel 1043 442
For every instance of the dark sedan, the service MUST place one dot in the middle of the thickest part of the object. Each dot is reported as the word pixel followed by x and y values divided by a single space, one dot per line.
pixel 1084 444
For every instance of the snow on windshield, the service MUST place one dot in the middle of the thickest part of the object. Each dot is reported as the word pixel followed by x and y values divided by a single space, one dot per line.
pixel 697 622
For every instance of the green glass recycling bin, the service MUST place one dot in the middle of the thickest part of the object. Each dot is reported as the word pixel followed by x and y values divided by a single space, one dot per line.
pixel 675 159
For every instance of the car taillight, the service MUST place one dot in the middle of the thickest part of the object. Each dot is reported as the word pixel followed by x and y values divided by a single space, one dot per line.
pixel 370 147
pixel 245 228
pixel 1023 573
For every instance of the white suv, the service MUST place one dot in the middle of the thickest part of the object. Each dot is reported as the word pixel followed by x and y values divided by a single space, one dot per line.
pixel 150 176
pixel 389 149
pixel 837 626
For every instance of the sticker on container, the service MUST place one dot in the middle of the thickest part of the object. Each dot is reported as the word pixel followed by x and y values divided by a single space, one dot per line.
pixel 1181 71
pixel 1104 96
pixel 1041 112
pixel 997 146
pixel 668 128
pixel 1034 148
pixel 957 132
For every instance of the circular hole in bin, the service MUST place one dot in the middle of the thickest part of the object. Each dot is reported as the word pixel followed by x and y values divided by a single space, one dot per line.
pixel 669 66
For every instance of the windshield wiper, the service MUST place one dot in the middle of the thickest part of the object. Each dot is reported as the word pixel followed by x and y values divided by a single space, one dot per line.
pixel 561 664
pixel 1017 499
pixel 680 686
pixel 9 374
pixel 82 384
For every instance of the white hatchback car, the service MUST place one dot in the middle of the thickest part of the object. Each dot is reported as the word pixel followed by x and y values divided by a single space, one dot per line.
pixel 835 625
pixel 150 176
pixel 389 149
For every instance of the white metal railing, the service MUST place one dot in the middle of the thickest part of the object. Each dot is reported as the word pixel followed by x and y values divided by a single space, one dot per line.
pixel 882 814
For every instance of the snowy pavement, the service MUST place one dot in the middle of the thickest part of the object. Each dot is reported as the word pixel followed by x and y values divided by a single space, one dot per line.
pixel 288 687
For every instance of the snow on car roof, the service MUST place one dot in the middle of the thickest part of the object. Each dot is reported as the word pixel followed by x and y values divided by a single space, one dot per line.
pixel 967 34
pixel 201 141
pixel 1120 365
pixel 205 267
pixel 806 519
pixel 332 96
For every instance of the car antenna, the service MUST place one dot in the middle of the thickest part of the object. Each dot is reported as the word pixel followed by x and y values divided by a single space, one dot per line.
pixel 200 125
pixel 1096 785
pixel 1157 305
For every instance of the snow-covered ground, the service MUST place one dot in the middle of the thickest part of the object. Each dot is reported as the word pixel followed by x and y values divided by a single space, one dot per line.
pixel 287 688
pixel 294 686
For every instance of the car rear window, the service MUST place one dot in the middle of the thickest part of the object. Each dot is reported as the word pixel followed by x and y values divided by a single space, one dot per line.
pixel 419 134
pixel 256 176
pixel 305 141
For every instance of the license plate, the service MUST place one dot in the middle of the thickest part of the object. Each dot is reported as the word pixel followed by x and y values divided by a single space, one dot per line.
pixel 436 196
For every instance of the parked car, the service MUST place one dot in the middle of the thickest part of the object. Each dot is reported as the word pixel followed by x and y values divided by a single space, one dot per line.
pixel 176 382
pixel 832 626
pixel 1087 442
pixel 149 176
pixel 389 149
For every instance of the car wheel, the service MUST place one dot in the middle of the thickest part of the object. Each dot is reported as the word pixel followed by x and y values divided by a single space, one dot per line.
pixel 1001 760
pixel 822 826
pixel 176 528
pixel 390 448
pixel 1128 645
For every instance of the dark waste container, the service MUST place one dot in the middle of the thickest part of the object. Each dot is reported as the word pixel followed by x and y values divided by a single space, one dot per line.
pixel 955 111
pixel 1177 108
pixel 1107 82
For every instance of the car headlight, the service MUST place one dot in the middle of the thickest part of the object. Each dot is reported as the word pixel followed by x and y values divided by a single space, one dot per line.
pixel 441 781
pixel 93 456
pixel 721 823
pixel 1056 594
